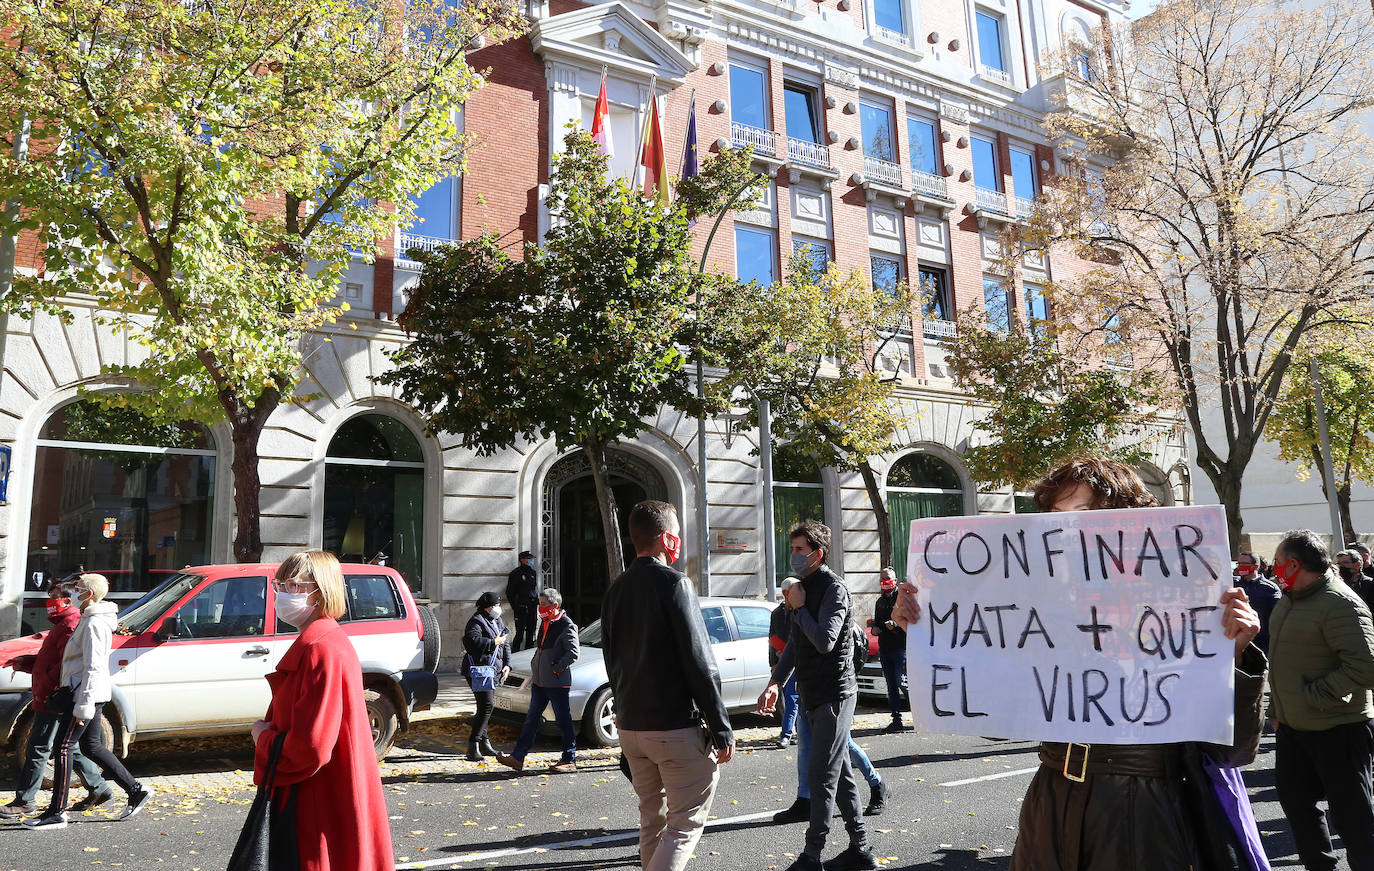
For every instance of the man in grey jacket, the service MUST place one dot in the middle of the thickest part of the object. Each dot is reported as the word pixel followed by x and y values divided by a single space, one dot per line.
pixel 555 643
pixel 820 650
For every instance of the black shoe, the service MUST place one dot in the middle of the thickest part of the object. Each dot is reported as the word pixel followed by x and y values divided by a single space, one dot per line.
pixel 138 799
pixel 47 821
pixel 484 745
pixel 853 859
pixel 805 863
pixel 18 808
pixel 877 799
pixel 895 726
pixel 93 800
pixel 474 752
pixel 799 812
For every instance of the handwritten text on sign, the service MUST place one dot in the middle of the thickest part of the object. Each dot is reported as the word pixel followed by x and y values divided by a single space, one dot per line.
pixel 1091 626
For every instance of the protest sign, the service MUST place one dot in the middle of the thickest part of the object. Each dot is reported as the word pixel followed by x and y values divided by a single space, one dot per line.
pixel 1100 627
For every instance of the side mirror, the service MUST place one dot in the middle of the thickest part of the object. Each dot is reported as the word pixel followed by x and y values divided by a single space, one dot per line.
pixel 169 628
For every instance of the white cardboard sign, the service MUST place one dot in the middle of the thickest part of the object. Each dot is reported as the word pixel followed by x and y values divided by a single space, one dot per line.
pixel 1100 627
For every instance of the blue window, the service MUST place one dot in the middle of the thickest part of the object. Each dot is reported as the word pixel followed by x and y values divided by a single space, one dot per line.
pixel 925 154
pixel 990 41
pixel 748 104
pixel 438 207
pixel 754 258
pixel 886 272
pixel 876 122
pixel 935 295
pixel 1037 310
pixel 997 304
pixel 1023 173
pixel 815 255
pixel 888 14
pixel 800 105
pixel 986 173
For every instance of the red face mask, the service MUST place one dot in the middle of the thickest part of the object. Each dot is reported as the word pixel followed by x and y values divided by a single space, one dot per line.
pixel 1245 571
pixel 1286 574
pixel 550 613
pixel 671 553
pixel 887 585
pixel 56 607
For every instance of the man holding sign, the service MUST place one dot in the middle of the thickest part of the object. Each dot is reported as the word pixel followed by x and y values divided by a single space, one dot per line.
pixel 1116 631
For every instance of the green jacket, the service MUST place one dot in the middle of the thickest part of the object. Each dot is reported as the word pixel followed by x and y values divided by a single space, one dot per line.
pixel 1321 657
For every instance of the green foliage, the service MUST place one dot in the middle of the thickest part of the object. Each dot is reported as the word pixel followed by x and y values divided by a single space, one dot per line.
pixel 1346 366
pixel 586 337
pixel 1044 406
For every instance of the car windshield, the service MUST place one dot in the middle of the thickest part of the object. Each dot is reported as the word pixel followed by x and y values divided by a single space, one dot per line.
pixel 136 618
pixel 590 636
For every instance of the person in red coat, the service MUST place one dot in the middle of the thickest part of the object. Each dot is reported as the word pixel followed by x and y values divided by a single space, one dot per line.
pixel 317 702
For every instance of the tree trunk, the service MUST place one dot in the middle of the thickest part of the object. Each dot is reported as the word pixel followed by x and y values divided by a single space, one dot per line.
pixel 1227 482
pixel 875 498
pixel 1347 526
pixel 247 490
pixel 605 500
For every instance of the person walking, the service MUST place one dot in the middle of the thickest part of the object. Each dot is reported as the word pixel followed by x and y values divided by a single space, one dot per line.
pixel 1262 593
pixel 522 591
pixel 821 651
pixel 46 667
pixel 674 728
pixel 83 688
pixel 1323 671
pixel 1350 566
pixel 779 626
pixel 486 642
pixel 318 711
pixel 891 647
pixel 556 649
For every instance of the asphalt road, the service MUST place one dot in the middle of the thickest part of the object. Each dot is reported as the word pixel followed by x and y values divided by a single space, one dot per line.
pixel 954 805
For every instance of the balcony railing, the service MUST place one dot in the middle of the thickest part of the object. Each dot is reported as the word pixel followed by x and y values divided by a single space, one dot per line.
pixel 1002 77
pixel 428 244
pixel 992 201
pixel 893 37
pixel 764 142
pixel 882 171
pixel 929 184
pixel 932 328
pixel 809 153
pixel 1024 206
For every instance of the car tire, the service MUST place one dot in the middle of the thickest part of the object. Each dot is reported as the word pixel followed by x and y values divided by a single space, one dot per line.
pixel 385 723
pixel 598 722
pixel 21 744
pixel 432 637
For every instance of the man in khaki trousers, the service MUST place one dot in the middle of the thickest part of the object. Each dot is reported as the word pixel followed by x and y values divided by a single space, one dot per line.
pixel 674 729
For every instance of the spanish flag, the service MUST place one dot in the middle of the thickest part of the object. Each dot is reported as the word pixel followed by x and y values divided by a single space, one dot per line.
pixel 654 159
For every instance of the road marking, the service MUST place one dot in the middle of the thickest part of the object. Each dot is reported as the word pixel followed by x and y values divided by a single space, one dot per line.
pixel 487 857
pixel 997 776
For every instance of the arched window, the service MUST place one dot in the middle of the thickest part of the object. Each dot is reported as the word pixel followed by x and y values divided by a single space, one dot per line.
pixel 919 485
pixel 116 494
pixel 374 495
pixel 1078 46
pixel 798 495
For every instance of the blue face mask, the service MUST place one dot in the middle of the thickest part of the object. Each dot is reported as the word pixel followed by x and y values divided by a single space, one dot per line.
pixel 800 566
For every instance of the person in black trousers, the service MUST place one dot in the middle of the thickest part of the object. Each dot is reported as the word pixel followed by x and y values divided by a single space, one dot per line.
pixel 891 647
pixel 487 642
pixel 522 591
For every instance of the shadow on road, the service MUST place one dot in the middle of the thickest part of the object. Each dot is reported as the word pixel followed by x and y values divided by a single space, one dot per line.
pixel 953 860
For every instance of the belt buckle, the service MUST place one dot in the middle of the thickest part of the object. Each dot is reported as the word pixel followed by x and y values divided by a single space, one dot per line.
pixel 1082 769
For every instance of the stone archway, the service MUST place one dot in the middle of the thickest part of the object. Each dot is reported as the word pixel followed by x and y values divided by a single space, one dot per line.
pixel 572 554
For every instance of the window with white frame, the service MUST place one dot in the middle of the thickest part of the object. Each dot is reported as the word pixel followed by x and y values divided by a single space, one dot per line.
pixel 748 96
pixel 1037 311
pixel 756 254
pixel 875 121
pixel 935 302
pixel 890 15
pixel 991 31
pixel 803 118
pixel 924 145
pixel 987 173
pixel 811 254
pixel 997 304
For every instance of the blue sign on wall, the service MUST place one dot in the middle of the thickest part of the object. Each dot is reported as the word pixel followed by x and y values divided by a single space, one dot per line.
pixel 5 454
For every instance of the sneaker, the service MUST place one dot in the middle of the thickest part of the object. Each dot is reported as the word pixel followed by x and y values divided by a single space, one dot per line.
pixel 47 821
pixel 877 799
pixel 799 812
pixel 511 762
pixel 138 799
pixel 853 859
pixel 93 800
pixel 785 741
pixel 805 863
pixel 563 766
pixel 895 726
pixel 18 808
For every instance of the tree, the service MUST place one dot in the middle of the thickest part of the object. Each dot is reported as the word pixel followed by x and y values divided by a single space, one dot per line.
pixel 1345 363
pixel 583 340
pixel 1220 182
pixel 811 346
pixel 1045 405
pixel 207 170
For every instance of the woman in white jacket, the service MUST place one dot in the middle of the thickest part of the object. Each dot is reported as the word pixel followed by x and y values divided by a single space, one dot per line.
pixel 86 673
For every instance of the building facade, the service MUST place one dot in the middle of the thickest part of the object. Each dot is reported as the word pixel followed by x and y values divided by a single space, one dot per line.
pixel 898 137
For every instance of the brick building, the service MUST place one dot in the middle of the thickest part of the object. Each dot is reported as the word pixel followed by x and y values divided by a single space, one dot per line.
pixel 898 137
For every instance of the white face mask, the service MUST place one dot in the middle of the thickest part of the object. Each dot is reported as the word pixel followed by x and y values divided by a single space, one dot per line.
pixel 294 608
pixel 494 612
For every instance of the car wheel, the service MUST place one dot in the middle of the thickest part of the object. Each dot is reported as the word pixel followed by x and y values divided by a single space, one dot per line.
pixel 432 637
pixel 598 723
pixel 381 716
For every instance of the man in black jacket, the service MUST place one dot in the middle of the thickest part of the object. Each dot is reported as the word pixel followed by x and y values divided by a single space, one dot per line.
pixel 674 729
pixel 891 647
pixel 820 650
pixel 522 591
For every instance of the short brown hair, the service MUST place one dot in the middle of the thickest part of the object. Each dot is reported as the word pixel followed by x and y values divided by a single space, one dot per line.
pixel 1113 484
pixel 650 519
pixel 817 535
pixel 321 568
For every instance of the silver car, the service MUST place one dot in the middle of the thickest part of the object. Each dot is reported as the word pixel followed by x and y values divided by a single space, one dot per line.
pixel 737 629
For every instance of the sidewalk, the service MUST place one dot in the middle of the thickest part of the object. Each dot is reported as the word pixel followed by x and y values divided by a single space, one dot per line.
pixel 454 699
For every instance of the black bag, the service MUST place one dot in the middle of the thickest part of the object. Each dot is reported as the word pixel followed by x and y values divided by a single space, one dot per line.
pixel 268 839
pixel 61 700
